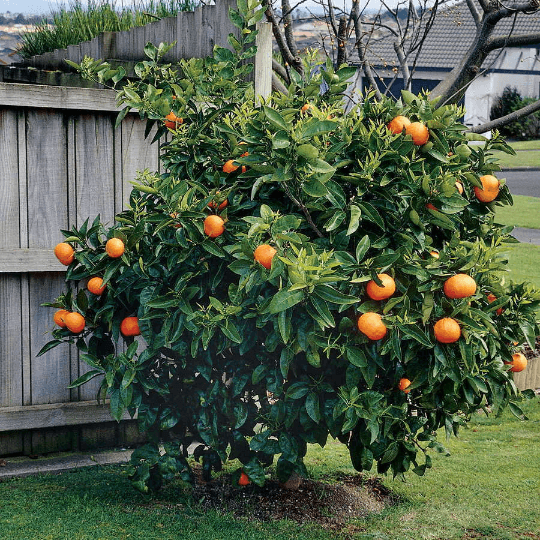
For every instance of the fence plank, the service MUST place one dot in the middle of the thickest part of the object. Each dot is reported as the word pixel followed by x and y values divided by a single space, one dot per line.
pixel 56 97
pixel 55 415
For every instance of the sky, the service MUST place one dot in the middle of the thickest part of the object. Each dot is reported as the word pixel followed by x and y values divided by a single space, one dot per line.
pixel 38 7
pixel 43 7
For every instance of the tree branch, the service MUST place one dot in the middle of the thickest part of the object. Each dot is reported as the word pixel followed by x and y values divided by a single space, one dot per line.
pixel 342 41
pixel 280 70
pixel 508 119
pixel 474 12
pixel 366 67
pixel 286 53
pixel 278 86
pixel 512 41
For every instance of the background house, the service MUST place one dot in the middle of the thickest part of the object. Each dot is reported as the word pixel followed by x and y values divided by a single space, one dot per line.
pixel 448 40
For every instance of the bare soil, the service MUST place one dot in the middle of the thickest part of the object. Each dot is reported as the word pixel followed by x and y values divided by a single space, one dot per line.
pixel 330 505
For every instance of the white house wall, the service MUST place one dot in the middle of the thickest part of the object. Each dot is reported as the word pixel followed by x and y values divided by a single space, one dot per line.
pixel 484 91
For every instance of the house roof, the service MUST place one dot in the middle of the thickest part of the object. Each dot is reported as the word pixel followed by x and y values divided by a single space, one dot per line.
pixel 449 38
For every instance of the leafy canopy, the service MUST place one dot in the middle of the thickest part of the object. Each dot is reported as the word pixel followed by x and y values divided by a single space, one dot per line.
pixel 253 363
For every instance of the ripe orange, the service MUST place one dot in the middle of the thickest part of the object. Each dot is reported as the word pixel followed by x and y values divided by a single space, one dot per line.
pixel 518 363
pixel 404 385
pixel 398 124
pixel 434 254
pixel 172 121
pixel 95 285
pixel 64 253
pixel 244 479
pixel 264 255
pixel 306 107
pixel 75 322
pixel 447 330
pixel 419 133
pixel 174 215
pixel 372 325
pixel 59 317
pixel 491 298
pixel 130 327
pixel 115 248
pixel 490 188
pixel 381 293
pixel 229 166
pixel 214 226
pixel 459 286
pixel 214 204
pixel 459 187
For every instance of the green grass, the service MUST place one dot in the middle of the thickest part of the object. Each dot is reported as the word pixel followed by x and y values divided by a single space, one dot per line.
pixel 526 155
pixel 77 21
pixel 523 263
pixel 525 212
pixel 488 486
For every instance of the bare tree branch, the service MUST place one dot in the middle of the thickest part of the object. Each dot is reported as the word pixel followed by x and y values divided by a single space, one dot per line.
pixel 512 41
pixel 280 70
pixel 508 119
pixel 474 12
pixel 278 86
pixel 361 48
pixel 288 27
pixel 342 41
pixel 281 41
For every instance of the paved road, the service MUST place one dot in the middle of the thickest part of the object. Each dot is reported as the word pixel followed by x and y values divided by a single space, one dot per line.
pixel 523 182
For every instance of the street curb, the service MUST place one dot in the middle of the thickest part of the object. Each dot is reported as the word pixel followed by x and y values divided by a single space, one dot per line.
pixel 21 467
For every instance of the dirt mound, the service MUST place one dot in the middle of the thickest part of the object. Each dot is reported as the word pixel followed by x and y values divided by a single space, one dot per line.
pixel 329 504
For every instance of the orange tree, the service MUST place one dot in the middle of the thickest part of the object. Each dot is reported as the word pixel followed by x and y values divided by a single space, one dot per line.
pixel 287 274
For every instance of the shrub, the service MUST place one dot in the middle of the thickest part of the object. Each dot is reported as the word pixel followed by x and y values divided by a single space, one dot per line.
pixel 252 361
pixel 76 22
pixel 524 128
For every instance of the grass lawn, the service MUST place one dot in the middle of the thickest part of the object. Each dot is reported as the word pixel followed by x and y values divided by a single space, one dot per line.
pixel 488 487
pixel 525 212
pixel 528 155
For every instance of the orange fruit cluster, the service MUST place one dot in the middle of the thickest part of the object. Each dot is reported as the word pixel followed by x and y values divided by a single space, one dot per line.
pixel 64 253
pixel 130 327
pixel 71 320
pixel 490 188
pixel 214 226
pixel 172 121
pixel 264 254
pixel 417 130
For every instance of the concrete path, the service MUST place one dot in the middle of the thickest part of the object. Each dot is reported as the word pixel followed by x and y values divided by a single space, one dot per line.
pixel 24 466
pixel 531 236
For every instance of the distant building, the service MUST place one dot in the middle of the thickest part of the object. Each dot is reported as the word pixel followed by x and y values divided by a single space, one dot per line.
pixel 447 42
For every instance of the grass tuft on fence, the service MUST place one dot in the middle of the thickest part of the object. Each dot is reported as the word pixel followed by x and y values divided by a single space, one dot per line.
pixel 76 22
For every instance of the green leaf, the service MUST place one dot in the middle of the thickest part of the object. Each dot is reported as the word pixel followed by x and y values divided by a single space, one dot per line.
pixel 317 127
pixel 356 356
pixel 312 407
pixel 89 375
pixel 275 118
pixel 354 222
pixel 362 248
pixel 328 293
pixel 314 188
pixel 284 299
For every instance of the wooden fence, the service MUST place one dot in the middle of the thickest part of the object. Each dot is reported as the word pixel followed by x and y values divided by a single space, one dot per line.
pixel 195 33
pixel 61 161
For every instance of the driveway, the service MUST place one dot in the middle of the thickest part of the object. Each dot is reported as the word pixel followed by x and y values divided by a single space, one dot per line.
pixel 524 181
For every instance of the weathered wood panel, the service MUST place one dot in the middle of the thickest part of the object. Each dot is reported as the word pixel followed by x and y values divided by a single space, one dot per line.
pixel 195 34
pixel 529 378
pixel 60 165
